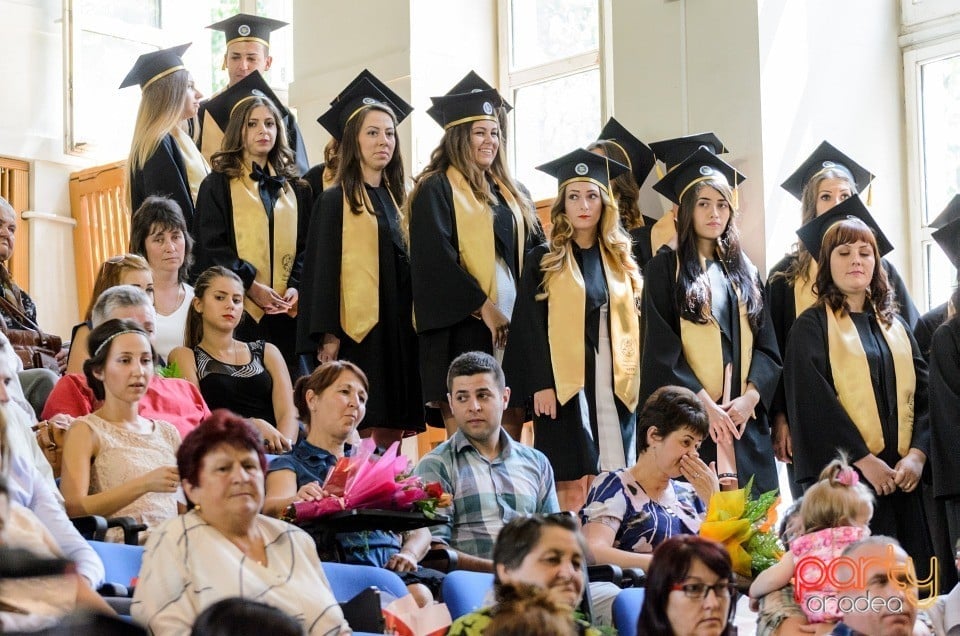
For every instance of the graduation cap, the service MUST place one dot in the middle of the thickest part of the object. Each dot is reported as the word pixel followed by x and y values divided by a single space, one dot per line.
pixel 950 213
pixel 948 238
pixel 826 157
pixel 364 90
pixel 583 165
pixel 155 65
pixel 672 152
pixel 221 106
pixel 640 158
pixel 470 83
pixel 700 166
pixel 245 27
pixel 459 108
pixel 811 234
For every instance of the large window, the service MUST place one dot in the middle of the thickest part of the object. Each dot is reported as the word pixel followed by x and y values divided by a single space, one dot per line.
pixel 551 53
pixel 103 38
pixel 932 75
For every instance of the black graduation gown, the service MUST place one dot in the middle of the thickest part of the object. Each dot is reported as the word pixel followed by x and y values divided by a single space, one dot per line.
pixel 294 138
pixel 216 245
pixel 820 425
pixel 571 448
pixel 642 247
pixel 944 407
pixel 314 178
pixel 445 295
pixel 924 329
pixel 163 174
pixel 663 363
pixel 783 310
pixel 388 354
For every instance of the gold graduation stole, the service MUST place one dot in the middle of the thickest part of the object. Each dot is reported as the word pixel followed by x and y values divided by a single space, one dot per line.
pixel 803 295
pixel 566 323
pixel 211 137
pixel 360 269
pixel 662 232
pixel 851 378
pixel 196 166
pixel 475 231
pixel 703 348
pixel 251 230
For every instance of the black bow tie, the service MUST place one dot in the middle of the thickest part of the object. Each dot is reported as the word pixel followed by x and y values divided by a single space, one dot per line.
pixel 272 184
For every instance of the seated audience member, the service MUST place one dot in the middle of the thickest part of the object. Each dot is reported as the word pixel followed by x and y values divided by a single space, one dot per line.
pixel 18 311
pixel 125 269
pixel 115 461
pixel 223 547
pixel 158 233
pixel 944 615
pixel 630 512
pixel 332 402
pixel 525 610
pixel 492 478
pixel 879 559
pixel 545 552
pixel 34 603
pixel 19 416
pixel 249 378
pixel 244 616
pixel 173 400
pixel 835 513
pixel 690 589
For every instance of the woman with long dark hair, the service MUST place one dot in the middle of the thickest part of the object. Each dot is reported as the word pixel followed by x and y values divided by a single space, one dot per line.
pixel 252 215
pixel 574 346
pixel 705 324
pixel 470 227
pixel 358 301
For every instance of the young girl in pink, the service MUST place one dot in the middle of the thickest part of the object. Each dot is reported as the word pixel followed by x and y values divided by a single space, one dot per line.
pixel 835 513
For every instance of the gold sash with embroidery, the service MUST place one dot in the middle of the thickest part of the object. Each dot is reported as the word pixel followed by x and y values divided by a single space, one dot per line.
pixel 360 269
pixel 703 349
pixel 662 232
pixel 196 166
pixel 803 295
pixel 851 378
pixel 252 231
pixel 566 326
pixel 475 231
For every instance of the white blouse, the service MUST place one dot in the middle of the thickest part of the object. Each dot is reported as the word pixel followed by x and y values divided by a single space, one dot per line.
pixel 189 565
pixel 170 329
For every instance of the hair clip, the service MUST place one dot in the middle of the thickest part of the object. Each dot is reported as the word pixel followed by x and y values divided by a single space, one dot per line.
pixel 848 477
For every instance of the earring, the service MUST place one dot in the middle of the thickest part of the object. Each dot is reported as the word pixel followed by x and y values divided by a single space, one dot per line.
pixel 197 508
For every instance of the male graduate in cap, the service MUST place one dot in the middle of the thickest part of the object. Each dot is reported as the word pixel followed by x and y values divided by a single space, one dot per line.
pixel 248 50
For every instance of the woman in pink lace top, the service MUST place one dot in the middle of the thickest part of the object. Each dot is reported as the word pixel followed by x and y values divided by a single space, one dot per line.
pixel 115 462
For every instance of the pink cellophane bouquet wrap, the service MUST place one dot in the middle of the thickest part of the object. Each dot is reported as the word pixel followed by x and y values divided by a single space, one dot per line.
pixel 366 481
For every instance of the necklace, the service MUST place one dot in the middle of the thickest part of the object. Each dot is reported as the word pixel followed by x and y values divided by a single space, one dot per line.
pixel 181 292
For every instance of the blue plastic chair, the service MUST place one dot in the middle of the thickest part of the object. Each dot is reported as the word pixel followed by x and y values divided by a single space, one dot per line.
pixel 121 561
pixel 464 591
pixel 626 610
pixel 347 580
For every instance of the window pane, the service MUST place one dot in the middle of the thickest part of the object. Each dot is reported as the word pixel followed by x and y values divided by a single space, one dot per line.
pixel 549 30
pixel 551 119
pixel 941 274
pixel 940 97
pixel 142 13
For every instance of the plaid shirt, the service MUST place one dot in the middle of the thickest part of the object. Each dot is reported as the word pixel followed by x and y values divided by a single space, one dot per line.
pixel 487 494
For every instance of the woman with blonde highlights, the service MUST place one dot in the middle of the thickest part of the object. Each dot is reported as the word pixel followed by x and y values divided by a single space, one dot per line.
pixel 163 158
pixel 470 227
pixel 576 334
pixel 252 219
pixel 854 375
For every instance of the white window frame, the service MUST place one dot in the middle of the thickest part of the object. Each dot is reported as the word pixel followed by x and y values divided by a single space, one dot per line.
pixel 512 81
pixel 919 48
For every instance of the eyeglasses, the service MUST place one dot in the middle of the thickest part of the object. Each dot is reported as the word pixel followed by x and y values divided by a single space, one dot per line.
pixel 699 591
